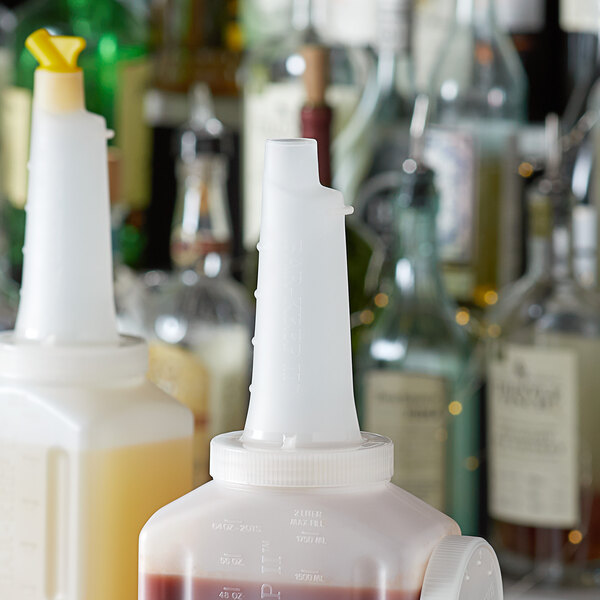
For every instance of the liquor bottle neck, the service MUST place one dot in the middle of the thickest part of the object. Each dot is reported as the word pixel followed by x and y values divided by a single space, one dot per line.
pixel 302 18
pixel 539 255
pixel 562 253
pixel 550 245
pixel 394 42
pixel 201 234
pixel 417 268
pixel 479 14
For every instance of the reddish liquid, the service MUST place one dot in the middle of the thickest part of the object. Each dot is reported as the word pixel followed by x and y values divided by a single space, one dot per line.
pixel 174 587
pixel 540 543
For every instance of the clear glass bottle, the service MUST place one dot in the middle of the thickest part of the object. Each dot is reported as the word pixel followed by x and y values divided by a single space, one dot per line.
pixel 274 95
pixel 478 88
pixel 369 152
pixel 543 410
pixel 416 380
pixel 198 318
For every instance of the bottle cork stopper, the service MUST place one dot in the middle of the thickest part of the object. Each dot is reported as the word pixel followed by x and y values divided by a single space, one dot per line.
pixel 316 73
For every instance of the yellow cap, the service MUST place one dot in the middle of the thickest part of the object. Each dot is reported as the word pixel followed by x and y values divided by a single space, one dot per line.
pixel 58 53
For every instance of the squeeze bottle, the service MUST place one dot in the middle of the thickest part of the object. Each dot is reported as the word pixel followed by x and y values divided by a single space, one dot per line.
pixel 89 449
pixel 301 506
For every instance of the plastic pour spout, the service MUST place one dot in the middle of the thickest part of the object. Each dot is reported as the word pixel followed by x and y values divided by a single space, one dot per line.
pixel 67 291
pixel 302 428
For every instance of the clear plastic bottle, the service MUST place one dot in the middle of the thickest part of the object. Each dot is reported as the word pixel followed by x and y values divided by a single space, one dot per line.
pixel 198 319
pixel 301 505
pixel 543 381
pixel 89 448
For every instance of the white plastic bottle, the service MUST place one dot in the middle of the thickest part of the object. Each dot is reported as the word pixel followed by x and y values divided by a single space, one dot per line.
pixel 301 506
pixel 89 449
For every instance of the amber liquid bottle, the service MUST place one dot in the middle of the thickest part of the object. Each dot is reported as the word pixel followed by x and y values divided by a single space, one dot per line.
pixel 543 382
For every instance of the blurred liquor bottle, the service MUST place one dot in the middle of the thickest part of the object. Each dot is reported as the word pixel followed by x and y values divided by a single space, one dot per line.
pixel 116 69
pixel 369 152
pixel 9 291
pixel 365 253
pixel 479 92
pixel 193 41
pixel 274 95
pixel 197 319
pixel 543 382
pixel 580 19
pixel 535 32
pixel 415 370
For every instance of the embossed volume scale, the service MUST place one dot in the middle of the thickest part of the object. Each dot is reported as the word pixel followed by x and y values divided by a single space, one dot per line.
pixel 301 505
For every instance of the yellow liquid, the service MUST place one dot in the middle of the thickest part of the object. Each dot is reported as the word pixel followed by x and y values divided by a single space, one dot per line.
pixel 126 486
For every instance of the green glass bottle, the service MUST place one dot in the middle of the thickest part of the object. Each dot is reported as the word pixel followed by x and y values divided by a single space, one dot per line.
pixel 416 375
pixel 116 72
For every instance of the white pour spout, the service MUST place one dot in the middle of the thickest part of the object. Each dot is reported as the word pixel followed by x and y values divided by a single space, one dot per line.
pixel 67 291
pixel 301 391
pixel 302 428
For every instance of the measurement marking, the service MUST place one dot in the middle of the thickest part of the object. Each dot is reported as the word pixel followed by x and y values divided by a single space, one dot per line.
pixel 310 572
pixel 232 555
pixel 228 589
pixel 232 521
pixel 309 533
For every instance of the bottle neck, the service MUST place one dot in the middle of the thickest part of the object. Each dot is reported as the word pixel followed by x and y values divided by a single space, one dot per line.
pixel 479 14
pixel 417 273
pixel 562 247
pixel 550 245
pixel 302 15
pixel 394 26
pixel 539 255
pixel 201 235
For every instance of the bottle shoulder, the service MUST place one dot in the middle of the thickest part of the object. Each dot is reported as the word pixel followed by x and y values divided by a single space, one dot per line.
pixel 494 85
pixel 535 305
pixel 88 417
pixel 189 300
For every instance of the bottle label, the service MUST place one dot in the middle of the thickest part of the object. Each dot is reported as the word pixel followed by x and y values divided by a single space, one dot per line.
pixel 517 16
pixel 133 135
pixel 274 112
pixel 472 176
pixel 579 16
pixel 451 154
pixel 533 433
pixel 181 375
pixel 411 409
pixel 16 127
pixel 211 382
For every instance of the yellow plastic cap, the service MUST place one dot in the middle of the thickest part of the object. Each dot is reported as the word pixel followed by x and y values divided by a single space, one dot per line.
pixel 57 53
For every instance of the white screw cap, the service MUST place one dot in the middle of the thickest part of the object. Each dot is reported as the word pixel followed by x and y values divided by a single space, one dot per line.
pixel 462 568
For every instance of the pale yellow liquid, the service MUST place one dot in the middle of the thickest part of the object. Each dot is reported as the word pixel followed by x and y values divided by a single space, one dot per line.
pixel 126 486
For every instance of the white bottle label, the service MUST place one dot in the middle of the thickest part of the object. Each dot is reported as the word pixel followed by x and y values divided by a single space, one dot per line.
pixel 521 16
pixel 451 154
pixel 579 15
pixel 411 409
pixel 211 380
pixel 533 433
